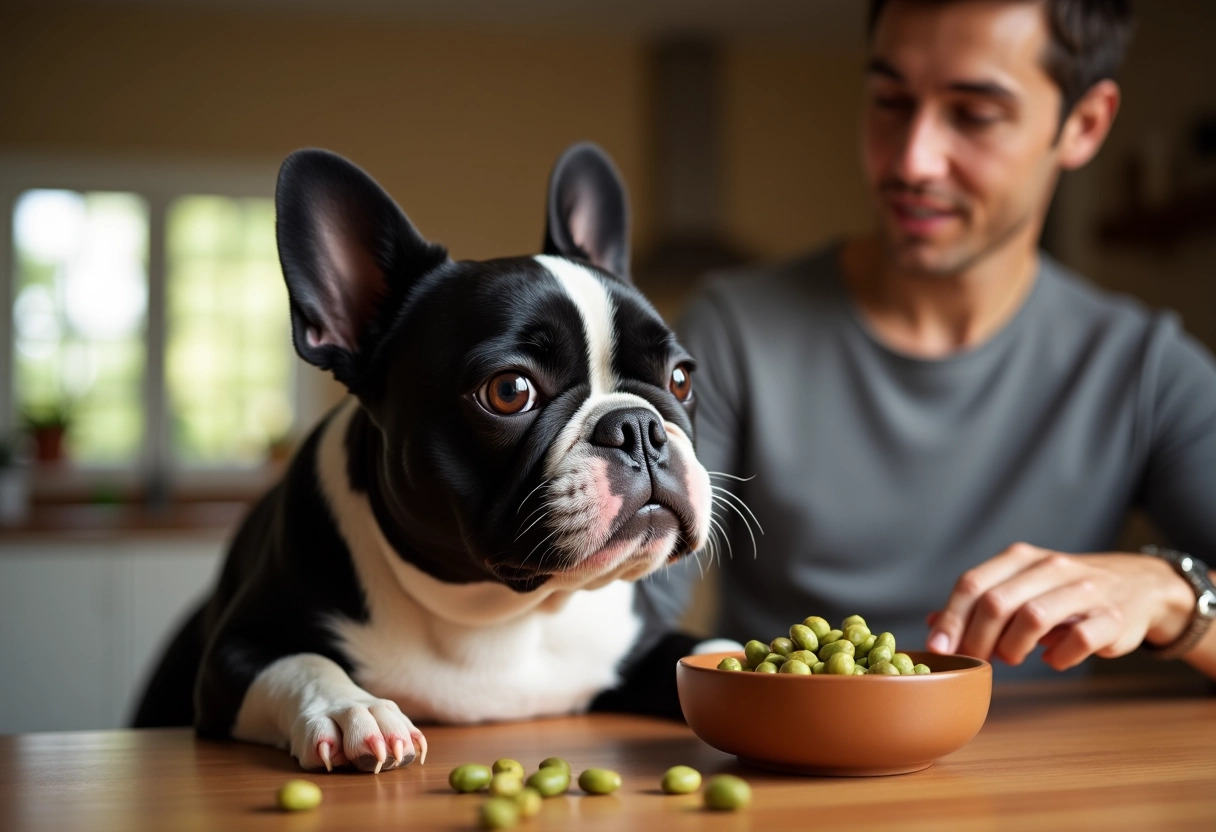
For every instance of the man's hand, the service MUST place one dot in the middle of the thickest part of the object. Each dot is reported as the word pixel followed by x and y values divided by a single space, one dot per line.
pixel 1074 605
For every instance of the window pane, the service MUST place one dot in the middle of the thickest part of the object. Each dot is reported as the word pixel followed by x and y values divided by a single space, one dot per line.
pixel 79 317
pixel 229 359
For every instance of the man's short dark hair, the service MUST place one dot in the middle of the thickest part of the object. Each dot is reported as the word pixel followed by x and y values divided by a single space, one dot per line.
pixel 1088 39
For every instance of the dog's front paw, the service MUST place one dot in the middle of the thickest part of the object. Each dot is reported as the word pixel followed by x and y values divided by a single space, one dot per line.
pixel 372 735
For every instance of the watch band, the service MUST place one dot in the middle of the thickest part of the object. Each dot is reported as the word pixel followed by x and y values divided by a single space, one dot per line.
pixel 1195 572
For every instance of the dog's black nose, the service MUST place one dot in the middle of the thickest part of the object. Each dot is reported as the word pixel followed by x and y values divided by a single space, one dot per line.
pixel 636 431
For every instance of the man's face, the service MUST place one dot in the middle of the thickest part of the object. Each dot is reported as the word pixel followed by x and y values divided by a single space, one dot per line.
pixel 959 127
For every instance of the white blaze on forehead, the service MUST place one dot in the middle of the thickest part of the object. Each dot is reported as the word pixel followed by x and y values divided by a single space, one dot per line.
pixel 595 307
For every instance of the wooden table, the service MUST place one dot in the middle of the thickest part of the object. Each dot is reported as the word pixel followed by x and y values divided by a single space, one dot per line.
pixel 1103 755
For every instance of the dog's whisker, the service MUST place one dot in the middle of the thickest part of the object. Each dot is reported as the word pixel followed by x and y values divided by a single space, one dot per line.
pixel 739 500
pixel 534 522
pixel 543 540
pixel 743 517
pixel 542 484
pixel 731 476
pixel 718 529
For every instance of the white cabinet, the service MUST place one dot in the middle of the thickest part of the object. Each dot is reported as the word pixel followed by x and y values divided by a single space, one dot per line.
pixel 82 621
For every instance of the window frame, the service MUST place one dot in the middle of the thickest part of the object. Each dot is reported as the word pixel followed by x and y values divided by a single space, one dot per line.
pixel 159 181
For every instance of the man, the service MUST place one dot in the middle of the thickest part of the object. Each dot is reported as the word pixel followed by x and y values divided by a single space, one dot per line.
pixel 941 398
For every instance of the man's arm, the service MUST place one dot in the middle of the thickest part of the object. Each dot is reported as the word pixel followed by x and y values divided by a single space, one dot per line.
pixel 1108 604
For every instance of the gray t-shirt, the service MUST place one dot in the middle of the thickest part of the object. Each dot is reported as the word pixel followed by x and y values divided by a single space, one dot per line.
pixel 880 477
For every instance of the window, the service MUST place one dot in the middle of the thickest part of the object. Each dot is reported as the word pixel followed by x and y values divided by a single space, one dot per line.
pixel 149 322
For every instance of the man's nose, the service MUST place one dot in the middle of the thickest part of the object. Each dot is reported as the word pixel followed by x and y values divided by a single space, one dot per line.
pixel 924 154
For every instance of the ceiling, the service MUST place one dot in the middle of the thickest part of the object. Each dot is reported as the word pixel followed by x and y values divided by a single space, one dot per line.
pixel 826 22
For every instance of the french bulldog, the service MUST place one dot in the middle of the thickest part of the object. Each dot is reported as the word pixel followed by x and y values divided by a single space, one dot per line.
pixel 463 538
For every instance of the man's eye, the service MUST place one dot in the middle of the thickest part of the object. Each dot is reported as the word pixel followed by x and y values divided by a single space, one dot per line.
pixel 972 117
pixel 507 394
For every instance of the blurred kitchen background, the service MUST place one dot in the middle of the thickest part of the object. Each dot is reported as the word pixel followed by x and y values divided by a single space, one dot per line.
pixel 148 389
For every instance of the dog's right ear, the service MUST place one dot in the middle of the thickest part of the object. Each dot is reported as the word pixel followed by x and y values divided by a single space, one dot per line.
pixel 348 254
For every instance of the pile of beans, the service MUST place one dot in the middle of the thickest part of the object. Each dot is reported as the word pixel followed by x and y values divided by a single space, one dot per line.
pixel 814 647
pixel 512 797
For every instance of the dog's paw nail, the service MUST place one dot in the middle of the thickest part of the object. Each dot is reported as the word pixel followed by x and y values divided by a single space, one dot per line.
pixel 323 752
pixel 398 751
pixel 379 750
pixel 419 743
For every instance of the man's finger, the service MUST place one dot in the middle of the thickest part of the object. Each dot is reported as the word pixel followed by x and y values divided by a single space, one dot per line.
pixel 952 621
pixel 1032 594
pixel 1046 619
pixel 1083 639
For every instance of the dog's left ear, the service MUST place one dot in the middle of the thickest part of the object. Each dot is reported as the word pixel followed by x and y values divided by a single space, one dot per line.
pixel 588 216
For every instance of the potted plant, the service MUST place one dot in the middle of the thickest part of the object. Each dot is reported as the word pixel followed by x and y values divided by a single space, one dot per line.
pixel 47 426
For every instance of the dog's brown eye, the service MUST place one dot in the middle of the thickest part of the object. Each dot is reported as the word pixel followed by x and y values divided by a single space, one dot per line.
pixel 507 394
pixel 681 382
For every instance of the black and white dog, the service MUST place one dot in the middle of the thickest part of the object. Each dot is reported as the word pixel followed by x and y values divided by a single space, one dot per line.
pixel 460 540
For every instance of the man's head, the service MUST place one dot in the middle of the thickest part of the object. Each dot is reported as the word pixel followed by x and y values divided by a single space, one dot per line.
pixel 973 109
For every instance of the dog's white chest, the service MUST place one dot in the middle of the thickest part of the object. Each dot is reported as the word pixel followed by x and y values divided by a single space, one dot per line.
pixel 539 663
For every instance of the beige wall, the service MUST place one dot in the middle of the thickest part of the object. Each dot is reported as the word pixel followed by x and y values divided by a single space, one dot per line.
pixel 460 126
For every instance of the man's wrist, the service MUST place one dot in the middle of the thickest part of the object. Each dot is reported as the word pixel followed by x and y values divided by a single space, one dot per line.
pixel 1202 602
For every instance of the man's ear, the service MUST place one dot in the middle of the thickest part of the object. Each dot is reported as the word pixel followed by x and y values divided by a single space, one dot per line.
pixel 1088 124
pixel 348 254
pixel 588 213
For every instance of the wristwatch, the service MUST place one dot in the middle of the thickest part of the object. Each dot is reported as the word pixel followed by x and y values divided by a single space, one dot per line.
pixel 1195 572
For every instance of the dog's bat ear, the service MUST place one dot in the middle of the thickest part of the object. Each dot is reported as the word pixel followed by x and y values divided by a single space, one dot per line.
pixel 348 254
pixel 588 214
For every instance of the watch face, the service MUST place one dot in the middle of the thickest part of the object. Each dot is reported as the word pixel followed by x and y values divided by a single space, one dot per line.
pixel 1206 606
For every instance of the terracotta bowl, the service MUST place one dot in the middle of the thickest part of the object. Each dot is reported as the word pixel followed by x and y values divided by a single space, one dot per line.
pixel 836 725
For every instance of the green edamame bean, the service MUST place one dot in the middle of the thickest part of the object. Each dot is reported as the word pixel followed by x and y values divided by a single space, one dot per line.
pixel 755 651
pixel 506 784
pixel 550 781
pixel 880 653
pixel 804 637
pixel 886 638
pixel 470 777
pixel 599 781
pixel 864 661
pixel 840 664
pixel 832 635
pixel 298 796
pixel 883 668
pixel 726 792
pixel 904 663
pixel 920 669
pixel 819 667
pixel 857 634
pixel 730 663
pixel 528 800
pixel 499 813
pixel 805 656
pixel 781 645
pixel 866 646
pixel 858 670
pixel 766 667
pixel 851 620
pixel 819 626
pixel 506 764
pixel 555 761
pixel 775 658
pixel 796 667
pixel 833 647
pixel 681 780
